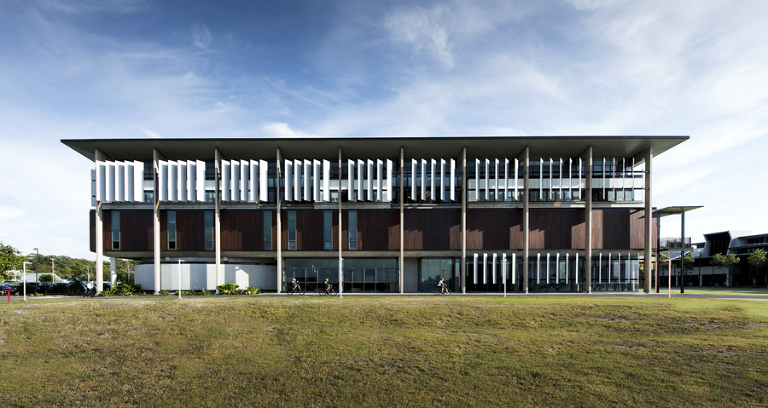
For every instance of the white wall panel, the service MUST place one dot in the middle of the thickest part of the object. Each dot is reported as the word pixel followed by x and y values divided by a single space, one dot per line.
pixel 263 172
pixel 326 181
pixel 288 177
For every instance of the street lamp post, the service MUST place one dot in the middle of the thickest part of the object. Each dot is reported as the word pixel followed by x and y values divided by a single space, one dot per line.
pixel 25 280
pixel 37 277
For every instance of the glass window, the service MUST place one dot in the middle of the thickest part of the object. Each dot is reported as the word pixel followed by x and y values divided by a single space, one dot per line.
pixel 327 230
pixel 267 230
pixel 291 229
pixel 149 197
pixel 171 229
pixel 208 230
pixel 115 229
pixel 353 230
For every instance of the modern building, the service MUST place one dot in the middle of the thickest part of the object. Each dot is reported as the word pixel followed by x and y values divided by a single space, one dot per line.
pixel 739 243
pixel 379 214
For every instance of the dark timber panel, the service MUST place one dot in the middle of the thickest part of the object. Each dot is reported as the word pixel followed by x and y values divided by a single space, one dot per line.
pixel 377 230
pixel 494 229
pixel 92 219
pixel 637 229
pixel 557 229
pixel 610 228
pixel 432 229
pixel 106 217
pixel 242 230
pixel 309 229
pixel 190 230
pixel 136 230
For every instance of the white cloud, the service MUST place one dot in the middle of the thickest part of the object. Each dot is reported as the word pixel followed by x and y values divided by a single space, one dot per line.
pixel 201 36
pixel 276 129
pixel 425 31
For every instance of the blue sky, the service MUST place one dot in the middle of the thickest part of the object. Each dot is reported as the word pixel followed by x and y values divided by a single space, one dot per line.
pixel 167 69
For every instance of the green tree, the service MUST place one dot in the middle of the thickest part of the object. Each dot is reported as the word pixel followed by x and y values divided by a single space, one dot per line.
pixel 10 259
pixel 757 260
pixel 725 262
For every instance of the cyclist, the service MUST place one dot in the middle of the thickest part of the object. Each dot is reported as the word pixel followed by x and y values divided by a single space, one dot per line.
pixel 441 285
pixel 295 284
pixel 328 286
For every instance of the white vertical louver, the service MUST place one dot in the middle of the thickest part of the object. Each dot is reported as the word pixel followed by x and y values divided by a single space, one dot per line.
pixel 453 180
pixel 200 180
pixel 579 181
pixel 360 180
pixel 369 180
pixel 326 181
pixel 388 184
pixel 244 180
pixel 423 172
pixel 560 178
pixel 226 185
pixel 163 176
pixel 297 165
pixel 546 271
pixel 496 181
pixel 432 180
pixel 110 182
pixel 253 181
pixel 182 169
pixel 307 180
pixel 93 187
pixel 173 180
pixel 191 180
pixel 517 167
pixel 485 267
pixel 477 179
pixel 493 268
pixel 506 179
pixel 475 272
pixel 138 179
pixel 288 177
pixel 235 180
pixel 379 167
pixel 487 184
pixel 263 173
pixel 442 180
pixel 414 172
pixel 120 181
pixel 316 181
pixel 129 181
pixel 351 180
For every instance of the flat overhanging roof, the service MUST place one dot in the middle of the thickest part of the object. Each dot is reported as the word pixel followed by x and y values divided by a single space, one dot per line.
pixel 374 147
pixel 676 210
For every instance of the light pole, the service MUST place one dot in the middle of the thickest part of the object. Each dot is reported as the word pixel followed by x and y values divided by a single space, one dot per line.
pixel 25 280
pixel 37 277
pixel 180 261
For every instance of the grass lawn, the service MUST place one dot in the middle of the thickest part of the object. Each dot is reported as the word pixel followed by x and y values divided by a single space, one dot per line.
pixel 384 351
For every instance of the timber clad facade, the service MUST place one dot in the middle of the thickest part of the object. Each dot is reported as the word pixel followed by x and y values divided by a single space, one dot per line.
pixel 378 214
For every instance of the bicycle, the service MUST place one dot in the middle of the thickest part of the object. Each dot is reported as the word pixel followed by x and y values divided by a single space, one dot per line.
pixel 296 289
pixel 329 291
pixel 445 291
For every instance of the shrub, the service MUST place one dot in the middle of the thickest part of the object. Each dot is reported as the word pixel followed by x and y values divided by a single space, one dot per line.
pixel 206 292
pixel 228 288
pixel 250 290
pixel 164 293
pixel 60 288
pixel 124 289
